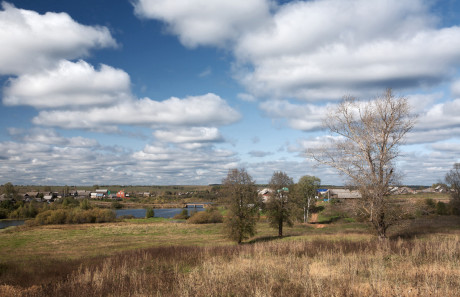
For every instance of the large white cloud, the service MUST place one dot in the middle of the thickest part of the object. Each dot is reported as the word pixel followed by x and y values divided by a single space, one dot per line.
pixel 455 88
pixel 31 41
pixel 203 22
pixel 49 136
pixel 306 117
pixel 316 50
pixel 69 84
pixel 189 135
pixel 326 49
pixel 43 156
pixel 184 165
pixel 205 110
pixel 440 115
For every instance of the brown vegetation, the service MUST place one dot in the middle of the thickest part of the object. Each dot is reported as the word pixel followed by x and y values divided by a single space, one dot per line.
pixel 210 216
pixel 328 266
pixel 73 216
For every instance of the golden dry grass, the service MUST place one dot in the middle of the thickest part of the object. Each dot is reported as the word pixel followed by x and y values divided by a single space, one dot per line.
pixel 169 259
pixel 429 267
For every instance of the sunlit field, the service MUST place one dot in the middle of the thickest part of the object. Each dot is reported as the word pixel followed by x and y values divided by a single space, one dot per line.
pixel 163 258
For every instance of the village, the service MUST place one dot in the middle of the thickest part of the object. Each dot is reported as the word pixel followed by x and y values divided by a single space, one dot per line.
pixel 120 195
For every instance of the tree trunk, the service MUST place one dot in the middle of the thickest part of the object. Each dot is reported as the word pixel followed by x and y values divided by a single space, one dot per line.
pixel 381 225
pixel 304 216
pixel 280 228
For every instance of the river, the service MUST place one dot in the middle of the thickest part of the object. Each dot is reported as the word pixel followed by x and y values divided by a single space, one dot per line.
pixel 9 223
pixel 159 212
pixel 136 212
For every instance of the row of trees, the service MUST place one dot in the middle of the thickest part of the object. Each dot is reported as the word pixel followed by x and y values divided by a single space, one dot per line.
pixel 243 201
pixel 364 145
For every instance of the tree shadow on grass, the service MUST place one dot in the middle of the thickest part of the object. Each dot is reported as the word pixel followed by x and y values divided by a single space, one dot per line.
pixel 425 226
pixel 265 239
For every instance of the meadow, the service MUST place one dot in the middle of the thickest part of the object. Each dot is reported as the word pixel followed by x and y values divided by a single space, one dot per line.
pixel 160 257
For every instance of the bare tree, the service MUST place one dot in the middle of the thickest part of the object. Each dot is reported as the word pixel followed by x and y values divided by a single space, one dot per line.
pixel 241 196
pixel 453 179
pixel 306 190
pixel 368 138
pixel 280 206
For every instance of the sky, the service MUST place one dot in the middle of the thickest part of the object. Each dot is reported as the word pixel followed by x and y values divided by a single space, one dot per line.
pixel 177 92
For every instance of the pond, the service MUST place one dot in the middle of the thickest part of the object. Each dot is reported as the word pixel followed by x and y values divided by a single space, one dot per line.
pixel 159 212
pixel 9 223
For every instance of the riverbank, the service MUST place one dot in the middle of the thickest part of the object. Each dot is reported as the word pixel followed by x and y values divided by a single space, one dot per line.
pixel 125 204
pixel 5 223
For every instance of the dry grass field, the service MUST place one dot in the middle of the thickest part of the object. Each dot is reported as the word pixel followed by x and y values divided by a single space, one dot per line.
pixel 162 258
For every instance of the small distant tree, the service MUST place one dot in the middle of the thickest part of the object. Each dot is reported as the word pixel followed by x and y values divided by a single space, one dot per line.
pixel 84 204
pixel 306 190
pixel 183 215
pixel 150 213
pixel 9 190
pixel 240 195
pixel 280 206
pixel 453 180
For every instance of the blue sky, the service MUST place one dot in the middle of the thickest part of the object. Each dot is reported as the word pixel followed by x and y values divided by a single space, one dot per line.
pixel 180 91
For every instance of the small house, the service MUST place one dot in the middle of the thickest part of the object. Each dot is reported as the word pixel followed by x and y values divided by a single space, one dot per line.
pixel 344 194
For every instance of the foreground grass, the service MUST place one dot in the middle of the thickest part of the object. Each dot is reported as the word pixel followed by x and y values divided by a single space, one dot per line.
pixel 68 242
pixel 151 257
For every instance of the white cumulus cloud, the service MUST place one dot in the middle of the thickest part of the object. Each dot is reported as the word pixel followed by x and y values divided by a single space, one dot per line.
pixel 189 135
pixel 205 110
pixel 32 41
pixel 322 50
pixel 203 22
pixel 69 84
pixel 305 117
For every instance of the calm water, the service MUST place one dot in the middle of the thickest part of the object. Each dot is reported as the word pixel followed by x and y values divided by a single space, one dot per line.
pixel 159 212
pixel 137 213
pixel 4 224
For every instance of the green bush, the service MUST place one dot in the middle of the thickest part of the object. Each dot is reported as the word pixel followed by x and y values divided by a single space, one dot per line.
pixel 430 202
pixel 150 213
pixel 116 205
pixel 7 204
pixel 183 215
pixel 206 217
pixel 75 216
pixel 84 204
pixel 69 202
pixel 3 213
pixel 24 211
pixel 441 208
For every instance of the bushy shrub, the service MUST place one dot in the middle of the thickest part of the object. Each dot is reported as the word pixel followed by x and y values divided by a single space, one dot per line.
pixel 116 205
pixel 84 204
pixel 206 217
pixel 430 202
pixel 3 213
pixel 7 204
pixel 150 213
pixel 215 217
pixel 454 206
pixel 47 217
pixel 69 202
pixel 441 208
pixel 24 211
pixel 183 215
pixel 75 216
